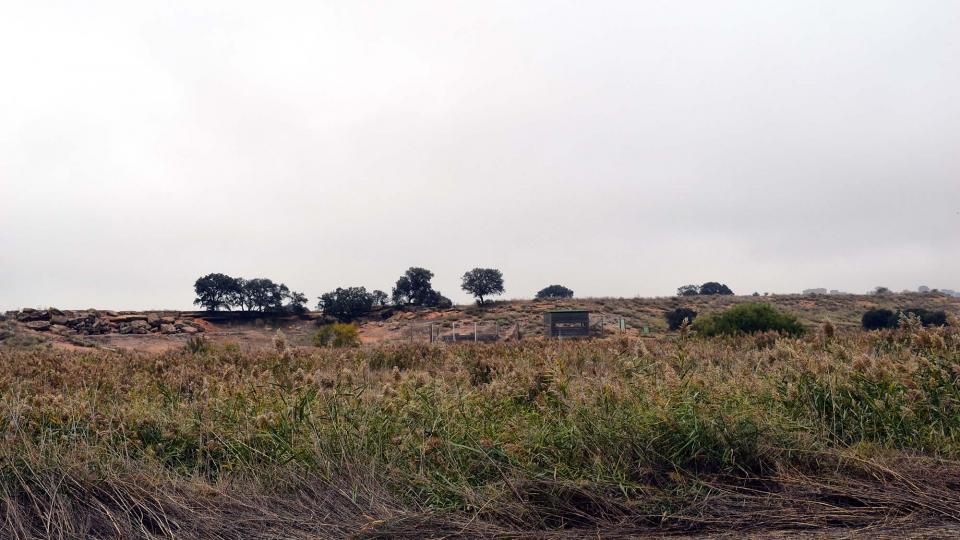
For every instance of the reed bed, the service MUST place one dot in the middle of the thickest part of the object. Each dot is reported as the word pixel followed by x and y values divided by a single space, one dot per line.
pixel 616 438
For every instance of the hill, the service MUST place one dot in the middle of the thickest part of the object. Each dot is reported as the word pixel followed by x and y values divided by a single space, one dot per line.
pixel 496 321
pixel 843 311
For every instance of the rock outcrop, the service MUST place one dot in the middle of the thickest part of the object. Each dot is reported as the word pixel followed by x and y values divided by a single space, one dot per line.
pixel 94 322
pixel 38 325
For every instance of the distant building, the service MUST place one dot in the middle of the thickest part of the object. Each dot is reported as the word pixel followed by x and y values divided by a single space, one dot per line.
pixel 815 291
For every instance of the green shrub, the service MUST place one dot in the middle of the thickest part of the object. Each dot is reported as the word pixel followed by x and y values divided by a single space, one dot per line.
pixel 875 319
pixel 749 318
pixel 554 291
pixel 337 335
pixel 928 318
pixel 197 345
pixel 675 317
pixel 713 287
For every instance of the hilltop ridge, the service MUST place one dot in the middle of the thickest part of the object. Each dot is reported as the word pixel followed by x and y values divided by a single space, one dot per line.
pixel 499 320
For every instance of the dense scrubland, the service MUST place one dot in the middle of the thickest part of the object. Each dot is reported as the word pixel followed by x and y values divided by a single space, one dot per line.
pixel 610 437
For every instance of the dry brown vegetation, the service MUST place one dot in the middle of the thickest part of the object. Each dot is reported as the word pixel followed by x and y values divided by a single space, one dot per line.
pixel 615 437
pixel 842 310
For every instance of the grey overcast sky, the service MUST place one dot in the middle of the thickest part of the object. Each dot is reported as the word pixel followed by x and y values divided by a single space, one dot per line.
pixel 617 148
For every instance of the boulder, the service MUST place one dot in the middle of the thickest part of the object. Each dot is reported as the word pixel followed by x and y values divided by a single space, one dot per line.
pixel 78 321
pixel 189 330
pixel 100 326
pixel 167 320
pixel 132 327
pixel 40 326
pixel 153 319
pixel 195 325
pixel 28 315
pixel 168 329
pixel 58 318
pixel 138 317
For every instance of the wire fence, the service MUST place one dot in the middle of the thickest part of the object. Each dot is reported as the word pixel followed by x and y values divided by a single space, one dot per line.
pixel 500 330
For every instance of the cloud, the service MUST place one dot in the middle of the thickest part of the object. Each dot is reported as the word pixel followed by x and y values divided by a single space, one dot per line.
pixel 622 148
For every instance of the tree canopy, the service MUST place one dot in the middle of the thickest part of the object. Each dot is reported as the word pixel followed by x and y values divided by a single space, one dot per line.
pixel 264 295
pixel 380 298
pixel 707 289
pixel 688 290
pixel 483 282
pixel 346 304
pixel 217 291
pixel 713 288
pixel 414 288
pixel 554 291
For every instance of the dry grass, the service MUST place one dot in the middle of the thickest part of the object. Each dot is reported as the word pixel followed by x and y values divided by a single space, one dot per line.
pixel 617 437
pixel 843 311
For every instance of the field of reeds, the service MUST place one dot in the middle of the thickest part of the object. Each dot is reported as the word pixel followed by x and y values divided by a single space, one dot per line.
pixel 837 430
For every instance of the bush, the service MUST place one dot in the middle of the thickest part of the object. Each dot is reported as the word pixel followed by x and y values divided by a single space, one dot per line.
pixel 554 291
pixel 876 319
pixel 928 318
pixel 337 335
pixel 676 317
pixel 749 318
pixel 197 345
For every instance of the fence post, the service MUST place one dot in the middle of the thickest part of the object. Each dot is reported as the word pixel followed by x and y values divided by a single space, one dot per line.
pixel 453 327
pixel 474 332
